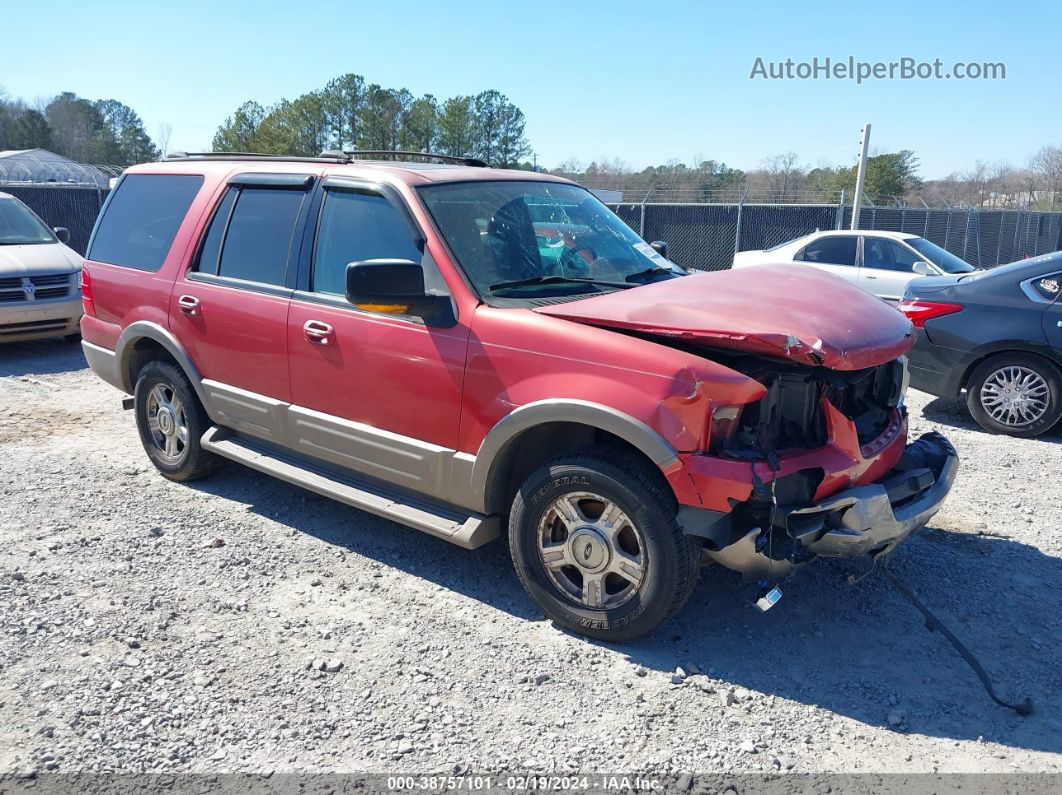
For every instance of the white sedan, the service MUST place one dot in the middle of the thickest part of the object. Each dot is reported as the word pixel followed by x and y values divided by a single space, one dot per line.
pixel 881 263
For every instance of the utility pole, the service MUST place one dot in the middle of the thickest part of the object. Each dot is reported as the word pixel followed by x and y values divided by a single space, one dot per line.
pixel 861 175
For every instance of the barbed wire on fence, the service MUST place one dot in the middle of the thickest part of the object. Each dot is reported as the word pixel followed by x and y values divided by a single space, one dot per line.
pixel 620 194
pixel 28 168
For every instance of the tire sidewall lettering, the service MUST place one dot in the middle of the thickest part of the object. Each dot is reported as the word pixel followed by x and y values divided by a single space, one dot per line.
pixel 558 483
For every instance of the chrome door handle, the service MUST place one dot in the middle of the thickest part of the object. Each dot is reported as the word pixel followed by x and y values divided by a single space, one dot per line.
pixel 318 332
pixel 868 276
pixel 188 304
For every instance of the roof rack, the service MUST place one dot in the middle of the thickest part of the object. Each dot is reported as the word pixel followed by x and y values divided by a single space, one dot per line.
pixel 394 154
pixel 326 157
pixel 330 156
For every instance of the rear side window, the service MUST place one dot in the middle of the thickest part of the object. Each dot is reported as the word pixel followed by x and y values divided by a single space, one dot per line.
pixel 830 251
pixel 354 227
pixel 250 235
pixel 141 219
pixel 208 255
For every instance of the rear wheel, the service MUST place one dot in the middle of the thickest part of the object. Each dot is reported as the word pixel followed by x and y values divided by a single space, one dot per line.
pixel 171 422
pixel 596 543
pixel 1017 394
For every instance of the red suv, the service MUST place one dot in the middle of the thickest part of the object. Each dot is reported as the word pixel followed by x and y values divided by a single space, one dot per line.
pixel 459 348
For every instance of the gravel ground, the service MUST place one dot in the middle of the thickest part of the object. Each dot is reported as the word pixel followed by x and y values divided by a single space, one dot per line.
pixel 152 626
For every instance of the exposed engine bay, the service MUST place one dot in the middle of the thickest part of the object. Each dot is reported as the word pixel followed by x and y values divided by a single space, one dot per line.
pixel 791 415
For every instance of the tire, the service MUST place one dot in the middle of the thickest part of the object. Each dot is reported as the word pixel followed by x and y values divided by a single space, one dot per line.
pixel 171 422
pixel 604 596
pixel 1033 378
pixel 72 338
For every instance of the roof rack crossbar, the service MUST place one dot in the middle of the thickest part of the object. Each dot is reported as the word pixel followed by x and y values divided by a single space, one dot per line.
pixel 394 154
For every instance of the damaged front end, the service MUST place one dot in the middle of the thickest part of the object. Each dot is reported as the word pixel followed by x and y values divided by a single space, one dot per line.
pixel 861 520
pixel 792 437
pixel 831 476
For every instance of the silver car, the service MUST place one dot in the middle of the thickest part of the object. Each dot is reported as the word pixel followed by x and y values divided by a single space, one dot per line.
pixel 39 293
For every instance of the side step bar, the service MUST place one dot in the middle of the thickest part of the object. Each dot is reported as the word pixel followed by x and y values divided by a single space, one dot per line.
pixel 466 530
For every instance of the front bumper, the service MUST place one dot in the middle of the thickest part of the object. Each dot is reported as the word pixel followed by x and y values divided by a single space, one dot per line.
pixel 37 319
pixel 878 516
pixel 869 519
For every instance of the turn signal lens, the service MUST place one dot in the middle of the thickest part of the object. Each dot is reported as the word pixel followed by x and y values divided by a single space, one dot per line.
pixel 918 312
pixel 725 423
pixel 389 309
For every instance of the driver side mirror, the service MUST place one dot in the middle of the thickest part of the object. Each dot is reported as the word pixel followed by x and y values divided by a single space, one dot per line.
pixel 392 286
pixel 62 233
pixel 660 247
pixel 924 269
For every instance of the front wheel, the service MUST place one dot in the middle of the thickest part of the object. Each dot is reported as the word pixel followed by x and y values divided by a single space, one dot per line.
pixel 1017 394
pixel 596 543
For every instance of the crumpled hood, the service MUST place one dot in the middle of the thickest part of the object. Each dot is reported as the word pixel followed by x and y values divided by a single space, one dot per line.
pixel 787 311
pixel 38 259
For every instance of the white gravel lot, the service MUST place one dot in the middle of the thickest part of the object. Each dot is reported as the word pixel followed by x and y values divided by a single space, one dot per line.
pixel 153 626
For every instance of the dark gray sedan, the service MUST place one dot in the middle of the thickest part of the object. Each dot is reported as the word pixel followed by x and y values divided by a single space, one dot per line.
pixel 998 335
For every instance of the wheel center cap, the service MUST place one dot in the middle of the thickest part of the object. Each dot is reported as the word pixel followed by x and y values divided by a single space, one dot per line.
pixel 589 549
pixel 165 420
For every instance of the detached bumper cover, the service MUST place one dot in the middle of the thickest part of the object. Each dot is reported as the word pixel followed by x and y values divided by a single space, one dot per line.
pixel 880 515
pixel 861 520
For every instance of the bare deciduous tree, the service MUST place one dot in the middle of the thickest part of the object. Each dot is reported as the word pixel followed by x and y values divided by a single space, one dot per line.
pixel 165 133
pixel 1047 166
pixel 779 170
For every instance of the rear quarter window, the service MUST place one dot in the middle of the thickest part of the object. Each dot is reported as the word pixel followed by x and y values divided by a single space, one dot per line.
pixel 141 219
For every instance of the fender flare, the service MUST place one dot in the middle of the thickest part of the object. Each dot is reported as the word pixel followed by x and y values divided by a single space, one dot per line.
pixel 495 444
pixel 145 329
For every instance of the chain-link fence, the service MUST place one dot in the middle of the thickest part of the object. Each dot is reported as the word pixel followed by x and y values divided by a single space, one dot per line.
pixel 62 192
pixel 706 234
pixel 72 206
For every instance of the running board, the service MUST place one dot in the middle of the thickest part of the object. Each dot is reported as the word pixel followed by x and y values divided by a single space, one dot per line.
pixel 466 530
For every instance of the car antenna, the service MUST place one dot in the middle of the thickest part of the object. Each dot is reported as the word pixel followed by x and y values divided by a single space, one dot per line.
pixel 933 624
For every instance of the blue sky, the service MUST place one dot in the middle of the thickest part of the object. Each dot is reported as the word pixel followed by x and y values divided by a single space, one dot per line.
pixel 640 81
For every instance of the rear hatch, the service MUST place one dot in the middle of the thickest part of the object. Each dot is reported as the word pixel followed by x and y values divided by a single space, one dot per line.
pixel 782 311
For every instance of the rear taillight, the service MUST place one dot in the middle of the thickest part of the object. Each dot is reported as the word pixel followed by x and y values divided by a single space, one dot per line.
pixel 85 282
pixel 918 312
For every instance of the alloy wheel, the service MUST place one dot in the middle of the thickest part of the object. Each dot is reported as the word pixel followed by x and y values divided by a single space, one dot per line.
pixel 591 550
pixel 167 422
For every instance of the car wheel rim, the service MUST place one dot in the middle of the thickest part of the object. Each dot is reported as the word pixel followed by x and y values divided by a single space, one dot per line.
pixel 591 550
pixel 1015 396
pixel 167 422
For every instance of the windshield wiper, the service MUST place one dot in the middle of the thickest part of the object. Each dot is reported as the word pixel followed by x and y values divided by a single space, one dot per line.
pixel 647 273
pixel 554 279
